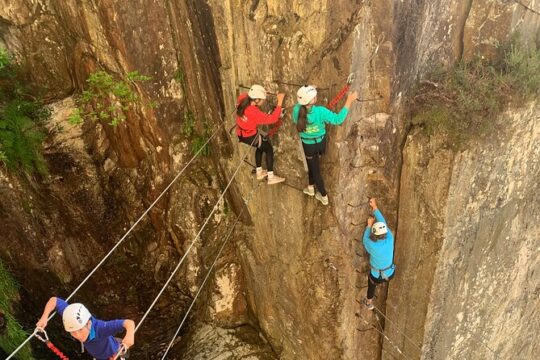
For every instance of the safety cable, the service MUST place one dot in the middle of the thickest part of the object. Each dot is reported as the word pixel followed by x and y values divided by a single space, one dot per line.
pixel 209 272
pixel 397 327
pixel 125 235
pixel 192 243
pixel 384 335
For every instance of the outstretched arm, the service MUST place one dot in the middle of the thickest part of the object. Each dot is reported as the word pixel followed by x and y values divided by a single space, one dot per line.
pixel 49 308
pixel 337 119
pixel 263 118
pixel 129 339
pixel 376 212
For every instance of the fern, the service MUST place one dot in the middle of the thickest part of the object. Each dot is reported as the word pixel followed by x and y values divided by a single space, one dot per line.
pixel 21 137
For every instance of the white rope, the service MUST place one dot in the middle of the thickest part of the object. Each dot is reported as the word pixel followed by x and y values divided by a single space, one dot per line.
pixel 397 328
pixel 193 242
pixel 127 233
pixel 384 335
pixel 208 273
pixel 21 346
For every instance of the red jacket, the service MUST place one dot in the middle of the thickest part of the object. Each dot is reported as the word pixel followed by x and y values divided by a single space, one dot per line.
pixel 246 125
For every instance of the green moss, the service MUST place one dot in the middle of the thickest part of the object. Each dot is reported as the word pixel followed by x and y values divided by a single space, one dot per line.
pixel 464 102
pixel 189 123
pixel 13 335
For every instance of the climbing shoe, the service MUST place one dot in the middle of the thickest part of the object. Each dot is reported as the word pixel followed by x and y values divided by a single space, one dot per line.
pixel 309 191
pixel 322 199
pixel 274 179
pixel 369 305
pixel 261 174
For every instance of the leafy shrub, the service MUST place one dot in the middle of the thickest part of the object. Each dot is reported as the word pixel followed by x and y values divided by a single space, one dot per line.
pixel 21 117
pixel 462 103
pixel 106 98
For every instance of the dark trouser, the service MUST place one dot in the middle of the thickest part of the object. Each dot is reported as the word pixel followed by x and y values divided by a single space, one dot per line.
pixel 372 284
pixel 265 147
pixel 313 153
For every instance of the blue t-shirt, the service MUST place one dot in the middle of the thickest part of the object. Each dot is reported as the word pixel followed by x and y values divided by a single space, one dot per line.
pixel 381 252
pixel 100 343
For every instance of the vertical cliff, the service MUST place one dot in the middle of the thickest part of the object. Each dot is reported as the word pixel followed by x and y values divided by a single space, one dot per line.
pixel 287 286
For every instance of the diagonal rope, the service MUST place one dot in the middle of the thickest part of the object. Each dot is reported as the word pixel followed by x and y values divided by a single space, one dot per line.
pixel 384 335
pixel 126 234
pixel 193 242
pixel 208 273
pixel 397 328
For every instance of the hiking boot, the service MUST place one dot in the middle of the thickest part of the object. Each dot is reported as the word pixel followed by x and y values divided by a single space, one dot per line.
pixel 261 174
pixel 310 190
pixel 274 179
pixel 322 199
pixel 368 304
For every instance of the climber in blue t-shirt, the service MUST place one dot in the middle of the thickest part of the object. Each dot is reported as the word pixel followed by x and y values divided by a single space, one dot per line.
pixel 379 243
pixel 97 336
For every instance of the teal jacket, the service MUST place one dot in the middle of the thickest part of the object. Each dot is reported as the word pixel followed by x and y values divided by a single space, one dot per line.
pixel 317 118
pixel 381 252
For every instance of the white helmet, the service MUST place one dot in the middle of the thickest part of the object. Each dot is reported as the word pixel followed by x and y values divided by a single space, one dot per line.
pixel 305 94
pixel 257 92
pixel 75 317
pixel 379 228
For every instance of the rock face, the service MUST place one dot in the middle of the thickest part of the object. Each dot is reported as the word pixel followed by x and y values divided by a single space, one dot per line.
pixel 287 286
pixel 467 254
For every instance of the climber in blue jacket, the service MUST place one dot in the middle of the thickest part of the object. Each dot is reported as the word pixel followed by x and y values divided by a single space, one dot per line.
pixel 379 243
pixel 96 336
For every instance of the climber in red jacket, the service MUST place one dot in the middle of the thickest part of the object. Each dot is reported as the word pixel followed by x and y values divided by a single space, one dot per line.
pixel 248 117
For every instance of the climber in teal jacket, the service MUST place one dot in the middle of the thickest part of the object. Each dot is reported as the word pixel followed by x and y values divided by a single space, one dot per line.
pixel 379 243
pixel 311 121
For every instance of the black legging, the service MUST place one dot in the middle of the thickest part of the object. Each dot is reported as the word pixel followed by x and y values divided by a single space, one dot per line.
pixel 313 152
pixel 372 284
pixel 265 147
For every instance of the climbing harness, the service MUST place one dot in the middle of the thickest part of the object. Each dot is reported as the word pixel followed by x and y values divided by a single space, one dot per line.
pixel 227 237
pixel 42 336
pixel 381 271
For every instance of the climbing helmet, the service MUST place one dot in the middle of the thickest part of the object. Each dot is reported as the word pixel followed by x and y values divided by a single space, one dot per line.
pixel 75 317
pixel 305 94
pixel 379 228
pixel 257 92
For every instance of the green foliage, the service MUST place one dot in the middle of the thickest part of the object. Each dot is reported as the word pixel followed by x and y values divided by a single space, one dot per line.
pixel 21 136
pixel 198 143
pixel 76 117
pixel 189 123
pixel 5 59
pixel 107 99
pixel 179 76
pixel 21 116
pixel 200 140
pixel 14 334
pixel 463 102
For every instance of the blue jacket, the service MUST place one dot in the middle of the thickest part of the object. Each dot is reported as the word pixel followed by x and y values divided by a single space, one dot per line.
pixel 381 252
pixel 100 343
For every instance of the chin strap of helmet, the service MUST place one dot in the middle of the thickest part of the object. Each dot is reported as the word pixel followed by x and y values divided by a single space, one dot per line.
pixel 41 335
